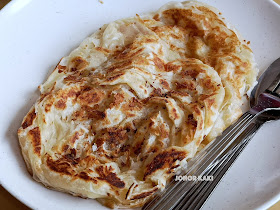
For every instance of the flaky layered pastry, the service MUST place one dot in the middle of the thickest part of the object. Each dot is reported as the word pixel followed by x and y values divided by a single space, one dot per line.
pixel 135 101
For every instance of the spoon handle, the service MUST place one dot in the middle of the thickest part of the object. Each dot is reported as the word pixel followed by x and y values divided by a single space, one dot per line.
pixel 218 151
pixel 203 190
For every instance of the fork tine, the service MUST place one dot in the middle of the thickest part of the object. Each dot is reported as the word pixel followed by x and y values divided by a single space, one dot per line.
pixel 196 200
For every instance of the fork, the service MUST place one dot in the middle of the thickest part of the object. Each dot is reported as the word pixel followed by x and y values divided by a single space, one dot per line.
pixel 215 159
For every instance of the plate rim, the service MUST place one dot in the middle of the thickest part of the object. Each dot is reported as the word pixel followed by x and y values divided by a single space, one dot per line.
pixel 5 11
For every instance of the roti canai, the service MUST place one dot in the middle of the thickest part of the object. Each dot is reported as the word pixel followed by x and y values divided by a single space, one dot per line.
pixel 128 108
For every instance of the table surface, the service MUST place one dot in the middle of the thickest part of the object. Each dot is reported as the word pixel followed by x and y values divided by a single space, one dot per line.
pixel 8 202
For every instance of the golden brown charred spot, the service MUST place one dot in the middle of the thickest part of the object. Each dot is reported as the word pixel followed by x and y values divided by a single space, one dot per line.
pixel 210 102
pixel 247 47
pixel 164 160
pixel 173 167
pixel 204 97
pixel 174 36
pixel 131 107
pixel 61 104
pixel 99 142
pixel 183 18
pixel 220 42
pixel 160 65
pixel 35 137
pixel 103 50
pixel 87 112
pixel 98 115
pixel 125 148
pixel 209 12
pixel 128 53
pixel 138 147
pixel 29 119
pixel 200 127
pixel 140 60
pixel 160 52
pixel 159 130
pixel 72 78
pixel 144 194
pixel 65 148
pixel 115 77
pixel 121 65
pixel 75 137
pixel 171 67
pixel 63 95
pixel 90 96
pixel 156 92
pixel 59 166
pixel 149 40
pixel 156 17
pixel 194 44
pixel 192 121
pixel 112 157
pixel 78 64
pixel 135 103
pixel 174 113
pixel 89 161
pixel 49 104
pixel 83 175
pixel 57 64
pixel 118 99
pixel 164 84
pixel 189 85
pixel 218 45
pixel 115 136
pixel 197 110
pixel 208 84
pixel 61 68
pixel 71 157
pixel 72 93
pixel 106 174
pixel 174 48
pixel 43 96
pixel 192 73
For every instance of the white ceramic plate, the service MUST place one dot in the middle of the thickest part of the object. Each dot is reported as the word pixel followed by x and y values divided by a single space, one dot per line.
pixel 36 34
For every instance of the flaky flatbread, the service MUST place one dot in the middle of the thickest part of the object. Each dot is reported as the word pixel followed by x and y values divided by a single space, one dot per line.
pixel 135 101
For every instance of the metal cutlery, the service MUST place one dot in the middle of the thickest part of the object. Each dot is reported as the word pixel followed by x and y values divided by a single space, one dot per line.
pixel 215 159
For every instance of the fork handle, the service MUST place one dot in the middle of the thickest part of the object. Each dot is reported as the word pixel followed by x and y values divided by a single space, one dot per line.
pixel 201 163
pixel 204 189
